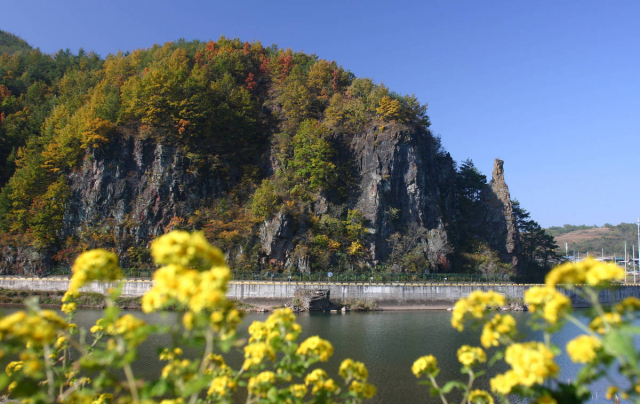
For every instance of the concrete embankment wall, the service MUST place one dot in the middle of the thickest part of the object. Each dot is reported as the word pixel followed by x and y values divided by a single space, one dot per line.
pixel 387 296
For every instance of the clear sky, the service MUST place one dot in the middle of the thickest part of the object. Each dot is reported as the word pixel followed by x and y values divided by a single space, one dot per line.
pixel 550 87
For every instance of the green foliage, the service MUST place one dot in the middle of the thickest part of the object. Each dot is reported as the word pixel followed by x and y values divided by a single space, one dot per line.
pixel 312 157
pixel 265 200
pixel 539 250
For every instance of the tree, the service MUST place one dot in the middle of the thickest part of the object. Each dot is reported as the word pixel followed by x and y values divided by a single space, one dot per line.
pixel 538 247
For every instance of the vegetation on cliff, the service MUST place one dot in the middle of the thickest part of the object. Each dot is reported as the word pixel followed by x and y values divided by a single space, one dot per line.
pixel 271 126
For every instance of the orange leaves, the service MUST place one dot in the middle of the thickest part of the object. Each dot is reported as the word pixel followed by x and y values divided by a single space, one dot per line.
pixel 251 84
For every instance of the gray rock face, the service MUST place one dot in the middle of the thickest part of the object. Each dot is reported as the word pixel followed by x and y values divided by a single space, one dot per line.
pixel 402 171
pixel 501 229
pixel 134 188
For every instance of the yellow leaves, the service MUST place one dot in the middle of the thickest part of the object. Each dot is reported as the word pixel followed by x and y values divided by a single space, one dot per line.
pixel 96 133
pixel 389 109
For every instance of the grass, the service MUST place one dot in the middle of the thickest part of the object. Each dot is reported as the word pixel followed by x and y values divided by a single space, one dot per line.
pixel 361 304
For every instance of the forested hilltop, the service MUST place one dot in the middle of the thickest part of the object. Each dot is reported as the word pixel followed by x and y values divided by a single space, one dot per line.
pixel 286 161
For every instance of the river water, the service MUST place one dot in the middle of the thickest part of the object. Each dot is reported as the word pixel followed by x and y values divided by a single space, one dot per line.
pixel 387 342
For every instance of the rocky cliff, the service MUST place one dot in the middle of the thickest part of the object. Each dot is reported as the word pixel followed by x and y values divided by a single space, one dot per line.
pixel 501 228
pixel 284 160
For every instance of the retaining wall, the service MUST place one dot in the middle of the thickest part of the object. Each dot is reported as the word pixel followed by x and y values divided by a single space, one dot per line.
pixel 387 296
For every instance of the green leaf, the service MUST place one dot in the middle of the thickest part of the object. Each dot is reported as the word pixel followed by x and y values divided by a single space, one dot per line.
pixel 619 342
pixel 450 385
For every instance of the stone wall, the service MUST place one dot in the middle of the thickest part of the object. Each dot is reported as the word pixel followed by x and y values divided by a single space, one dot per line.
pixel 388 296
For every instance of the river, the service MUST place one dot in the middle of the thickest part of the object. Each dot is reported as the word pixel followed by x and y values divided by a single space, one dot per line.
pixel 387 342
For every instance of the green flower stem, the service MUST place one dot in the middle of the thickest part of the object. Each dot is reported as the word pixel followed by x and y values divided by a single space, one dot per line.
pixel 131 381
pixel 49 372
pixel 471 380
pixel 435 384
pixel 208 350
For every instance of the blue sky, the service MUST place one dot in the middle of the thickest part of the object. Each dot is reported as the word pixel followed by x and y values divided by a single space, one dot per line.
pixel 550 87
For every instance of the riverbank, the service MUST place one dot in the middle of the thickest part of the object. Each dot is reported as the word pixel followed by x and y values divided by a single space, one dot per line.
pixel 386 296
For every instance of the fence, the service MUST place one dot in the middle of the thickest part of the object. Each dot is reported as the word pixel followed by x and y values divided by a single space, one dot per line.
pixel 324 276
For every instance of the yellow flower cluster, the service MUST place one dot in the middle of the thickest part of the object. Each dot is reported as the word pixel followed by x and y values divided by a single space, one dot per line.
pixel 629 304
pixel 298 390
pixel 202 288
pixel 256 352
pixel 583 349
pixel 588 271
pixel 474 305
pixel 177 368
pixel 193 289
pixel 13 367
pixel 319 381
pixel 468 355
pixel 352 369
pixel 363 390
pixel 260 384
pixel 221 385
pixel 602 323
pixel 425 365
pixel 531 363
pixel 547 302
pixel 480 397
pixel 93 265
pixel 187 250
pixel 34 329
pixel 498 326
pixel 316 347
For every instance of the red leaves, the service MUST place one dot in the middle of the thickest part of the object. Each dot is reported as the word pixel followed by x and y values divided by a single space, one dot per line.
pixel 251 84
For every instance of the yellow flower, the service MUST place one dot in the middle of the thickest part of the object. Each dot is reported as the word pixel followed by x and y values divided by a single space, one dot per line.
pixel 499 325
pixel 316 347
pixel 480 397
pixel 13 367
pixel 547 302
pixel 356 370
pixel 318 378
pixel 531 363
pixel 94 265
pixel 611 391
pixel 587 271
pixel 68 307
pixel 298 390
pixel 468 355
pixel 363 390
pixel 221 385
pixel 602 323
pixel 255 353
pixel 583 349
pixel 128 326
pixel 425 365
pixel 260 384
pixel 474 305
pixel 629 304
pixel 186 249
pixel 503 383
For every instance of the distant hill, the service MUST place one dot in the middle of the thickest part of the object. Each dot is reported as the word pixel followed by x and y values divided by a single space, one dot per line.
pixel 11 44
pixel 593 239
